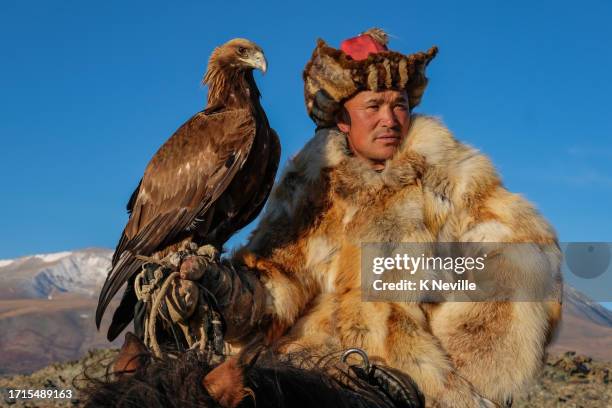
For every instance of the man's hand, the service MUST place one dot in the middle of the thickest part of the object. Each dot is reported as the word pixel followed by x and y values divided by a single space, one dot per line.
pixel 193 266
pixel 234 290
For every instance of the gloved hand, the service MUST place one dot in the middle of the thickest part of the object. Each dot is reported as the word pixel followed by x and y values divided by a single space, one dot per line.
pixel 237 292
pixel 191 298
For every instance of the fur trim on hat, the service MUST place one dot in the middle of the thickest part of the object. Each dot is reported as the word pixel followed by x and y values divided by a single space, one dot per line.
pixel 331 77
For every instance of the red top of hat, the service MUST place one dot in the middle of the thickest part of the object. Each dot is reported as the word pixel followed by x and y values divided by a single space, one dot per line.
pixel 361 46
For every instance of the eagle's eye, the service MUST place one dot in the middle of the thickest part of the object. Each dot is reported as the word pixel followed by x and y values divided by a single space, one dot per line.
pixel 242 51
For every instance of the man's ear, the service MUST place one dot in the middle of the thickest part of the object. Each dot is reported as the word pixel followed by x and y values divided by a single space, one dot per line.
pixel 343 120
pixel 344 127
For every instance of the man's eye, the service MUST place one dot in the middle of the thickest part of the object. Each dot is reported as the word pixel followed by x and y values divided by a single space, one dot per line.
pixel 372 107
pixel 401 106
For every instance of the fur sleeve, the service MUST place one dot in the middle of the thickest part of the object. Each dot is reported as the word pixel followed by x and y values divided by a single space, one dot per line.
pixel 276 248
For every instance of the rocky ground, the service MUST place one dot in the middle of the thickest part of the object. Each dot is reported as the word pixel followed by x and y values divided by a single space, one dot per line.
pixel 568 381
pixel 571 381
pixel 68 377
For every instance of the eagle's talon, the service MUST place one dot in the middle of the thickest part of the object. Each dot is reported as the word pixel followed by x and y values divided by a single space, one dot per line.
pixel 174 259
pixel 184 246
pixel 209 252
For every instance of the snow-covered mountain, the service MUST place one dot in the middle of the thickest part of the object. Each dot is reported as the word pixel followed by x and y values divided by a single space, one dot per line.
pixel 41 276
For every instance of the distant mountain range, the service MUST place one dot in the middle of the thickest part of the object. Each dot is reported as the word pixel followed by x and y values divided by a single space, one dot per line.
pixel 47 305
pixel 42 276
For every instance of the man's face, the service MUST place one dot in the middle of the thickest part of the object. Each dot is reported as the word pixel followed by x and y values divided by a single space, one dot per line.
pixel 376 125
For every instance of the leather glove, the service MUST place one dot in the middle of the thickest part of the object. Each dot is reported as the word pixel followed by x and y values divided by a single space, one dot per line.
pixel 237 292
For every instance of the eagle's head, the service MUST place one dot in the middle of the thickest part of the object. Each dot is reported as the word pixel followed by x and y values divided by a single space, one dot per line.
pixel 230 73
pixel 238 54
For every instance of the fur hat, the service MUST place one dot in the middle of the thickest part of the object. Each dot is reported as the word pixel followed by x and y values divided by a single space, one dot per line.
pixel 362 63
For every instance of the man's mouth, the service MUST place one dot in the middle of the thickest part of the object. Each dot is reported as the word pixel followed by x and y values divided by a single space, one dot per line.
pixel 386 137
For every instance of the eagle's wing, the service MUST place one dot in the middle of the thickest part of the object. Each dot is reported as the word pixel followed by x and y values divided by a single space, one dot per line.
pixel 184 178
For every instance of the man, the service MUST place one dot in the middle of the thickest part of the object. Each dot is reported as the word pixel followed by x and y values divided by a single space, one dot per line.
pixel 375 173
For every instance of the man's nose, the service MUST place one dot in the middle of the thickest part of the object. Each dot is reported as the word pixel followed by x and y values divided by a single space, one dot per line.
pixel 387 116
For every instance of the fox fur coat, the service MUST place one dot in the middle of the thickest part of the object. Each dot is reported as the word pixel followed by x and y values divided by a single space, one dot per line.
pixel 306 250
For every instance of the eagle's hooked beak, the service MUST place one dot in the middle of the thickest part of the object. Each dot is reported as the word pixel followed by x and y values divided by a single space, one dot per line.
pixel 258 61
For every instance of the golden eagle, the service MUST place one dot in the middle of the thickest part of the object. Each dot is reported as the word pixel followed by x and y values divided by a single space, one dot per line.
pixel 211 178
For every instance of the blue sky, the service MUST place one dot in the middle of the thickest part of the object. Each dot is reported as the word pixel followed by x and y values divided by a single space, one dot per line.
pixel 90 90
